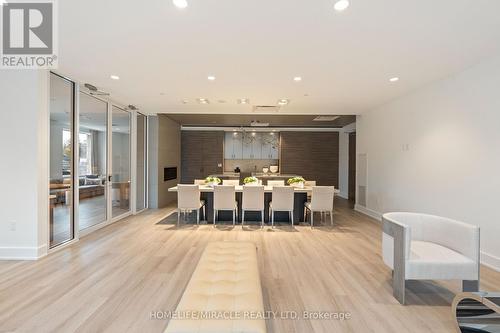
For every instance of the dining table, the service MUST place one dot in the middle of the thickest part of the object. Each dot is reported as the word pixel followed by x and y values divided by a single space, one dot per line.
pixel 300 197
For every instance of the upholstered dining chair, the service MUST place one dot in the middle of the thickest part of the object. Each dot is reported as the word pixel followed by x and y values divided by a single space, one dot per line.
pixel 309 183
pixel 283 200
pixel 321 201
pixel 233 182
pixel 188 199
pixel 253 200
pixel 225 199
pixel 199 181
pixel 275 183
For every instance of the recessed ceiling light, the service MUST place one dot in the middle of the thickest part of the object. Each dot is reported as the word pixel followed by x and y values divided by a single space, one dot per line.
pixel 283 101
pixel 297 79
pixel 203 100
pixel 394 79
pixel 180 3
pixel 211 78
pixel 243 101
pixel 341 5
pixel 115 77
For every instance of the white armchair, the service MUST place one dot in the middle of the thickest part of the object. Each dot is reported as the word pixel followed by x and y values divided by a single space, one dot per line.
pixel 426 247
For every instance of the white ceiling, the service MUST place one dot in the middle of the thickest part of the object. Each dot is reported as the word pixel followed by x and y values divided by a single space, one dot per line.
pixel 256 47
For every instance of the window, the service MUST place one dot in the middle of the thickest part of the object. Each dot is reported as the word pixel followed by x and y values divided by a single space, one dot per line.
pixel 67 151
pixel 85 146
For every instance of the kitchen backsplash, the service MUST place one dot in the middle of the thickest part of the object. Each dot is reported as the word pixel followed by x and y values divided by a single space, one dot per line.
pixel 248 165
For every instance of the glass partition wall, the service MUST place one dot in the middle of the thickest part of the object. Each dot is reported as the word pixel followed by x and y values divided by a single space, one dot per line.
pixel 91 187
pixel 121 163
pixel 61 129
pixel 92 168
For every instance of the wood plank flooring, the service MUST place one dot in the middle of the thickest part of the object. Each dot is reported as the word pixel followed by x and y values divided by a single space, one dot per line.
pixel 113 279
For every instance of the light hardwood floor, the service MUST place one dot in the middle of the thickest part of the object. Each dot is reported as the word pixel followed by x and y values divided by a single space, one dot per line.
pixel 112 279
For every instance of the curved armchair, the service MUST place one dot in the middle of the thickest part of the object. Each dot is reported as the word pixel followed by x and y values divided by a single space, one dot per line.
pixel 427 247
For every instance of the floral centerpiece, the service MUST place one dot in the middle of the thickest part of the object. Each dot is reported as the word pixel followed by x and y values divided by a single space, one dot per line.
pixel 296 182
pixel 212 181
pixel 250 181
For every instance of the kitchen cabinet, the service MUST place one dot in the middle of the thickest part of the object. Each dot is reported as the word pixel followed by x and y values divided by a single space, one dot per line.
pixel 251 146
pixel 233 146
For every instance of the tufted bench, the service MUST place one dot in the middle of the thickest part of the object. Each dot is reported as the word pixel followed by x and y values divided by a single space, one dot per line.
pixel 224 294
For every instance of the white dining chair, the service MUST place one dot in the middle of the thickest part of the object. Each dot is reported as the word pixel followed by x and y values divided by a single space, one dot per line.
pixel 199 181
pixel 225 199
pixel 321 201
pixel 188 199
pixel 233 182
pixel 275 183
pixel 253 200
pixel 283 200
pixel 309 183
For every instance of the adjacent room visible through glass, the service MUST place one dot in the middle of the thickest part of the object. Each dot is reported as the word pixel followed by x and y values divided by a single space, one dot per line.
pixel 120 192
pixel 61 224
pixel 93 161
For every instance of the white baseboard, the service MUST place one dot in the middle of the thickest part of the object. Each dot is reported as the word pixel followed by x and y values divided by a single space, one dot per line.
pixel 490 261
pixel 367 211
pixel 23 253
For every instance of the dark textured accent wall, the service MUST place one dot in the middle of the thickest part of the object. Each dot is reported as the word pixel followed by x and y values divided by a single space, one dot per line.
pixel 201 153
pixel 313 155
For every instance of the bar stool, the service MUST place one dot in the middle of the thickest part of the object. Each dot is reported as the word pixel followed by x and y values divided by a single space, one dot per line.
pixel 321 201
pixel 283 200
pixel 188 199
pixel 253 200
pixel 224 199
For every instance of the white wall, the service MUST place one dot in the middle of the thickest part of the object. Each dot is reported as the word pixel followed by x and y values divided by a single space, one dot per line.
pixel 24 166
pixel 438 151
pixel 344 159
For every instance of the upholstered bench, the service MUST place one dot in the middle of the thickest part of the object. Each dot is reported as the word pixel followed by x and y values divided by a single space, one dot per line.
pixel 224 294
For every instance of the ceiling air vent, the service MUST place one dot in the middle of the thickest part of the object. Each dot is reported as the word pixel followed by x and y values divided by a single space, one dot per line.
pixel 325 118
pixel 266 108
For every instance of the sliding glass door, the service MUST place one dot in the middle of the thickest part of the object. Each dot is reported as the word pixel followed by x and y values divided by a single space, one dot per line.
pixel 121 162
pixel 98 174
pixel 62 112
pixel 92 167
pixel 141 178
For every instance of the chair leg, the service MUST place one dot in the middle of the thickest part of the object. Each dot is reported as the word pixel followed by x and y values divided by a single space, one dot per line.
pixel 262 220
pixel 305 214
pixel 272 218
pixel 178 218
pixel 242 217
pixel 234 219
pixel 205 212
pixel 198 217
pixel 214 217
pixel 331 217
pixel 312 219
pixel 291 213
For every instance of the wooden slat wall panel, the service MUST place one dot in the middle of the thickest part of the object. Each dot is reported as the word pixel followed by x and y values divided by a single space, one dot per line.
pixel 201 152
pixel 313 155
